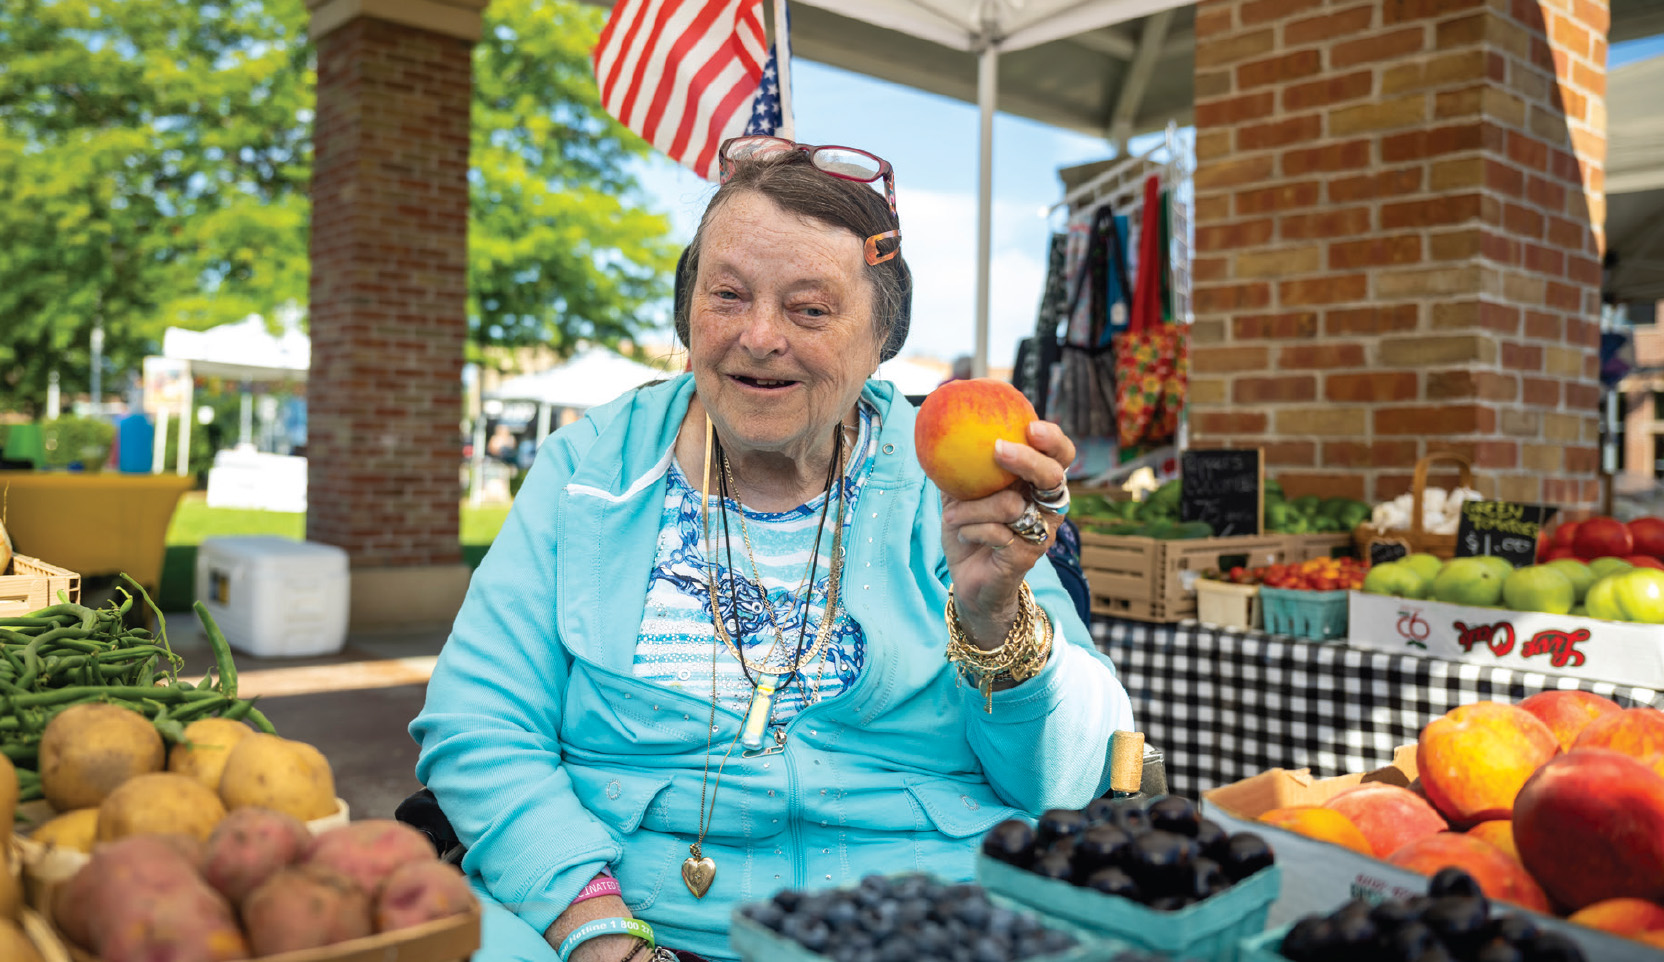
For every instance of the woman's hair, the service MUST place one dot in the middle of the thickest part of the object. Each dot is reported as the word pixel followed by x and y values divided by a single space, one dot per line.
pixel 798 187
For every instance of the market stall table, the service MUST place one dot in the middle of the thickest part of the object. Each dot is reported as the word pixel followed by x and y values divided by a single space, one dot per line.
pixel 93 524
pixel 1224 704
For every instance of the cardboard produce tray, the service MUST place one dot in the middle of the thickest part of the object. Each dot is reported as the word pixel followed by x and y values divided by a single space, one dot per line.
pixel 1155 580
pixel 33 585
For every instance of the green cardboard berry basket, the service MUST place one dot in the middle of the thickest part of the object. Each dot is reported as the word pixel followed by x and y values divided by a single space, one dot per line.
pixel 1312 615
pixel 754 943
pixel 1209 931
pixel 1264 947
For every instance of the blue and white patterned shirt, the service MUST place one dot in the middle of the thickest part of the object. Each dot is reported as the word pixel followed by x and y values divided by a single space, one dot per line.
pixel 677 638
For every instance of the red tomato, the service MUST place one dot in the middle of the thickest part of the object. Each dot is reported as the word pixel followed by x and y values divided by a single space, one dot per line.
pixel 1648 535
pixel 1645 561
pixel 1563 534
pixel 1602 538
pixel 1560 551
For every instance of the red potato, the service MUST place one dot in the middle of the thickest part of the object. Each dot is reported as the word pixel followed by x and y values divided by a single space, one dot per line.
pixel 367 852
pixel 192 924
pixel 304 908
pixel 420 892
pixel 248 846
pixel 119 873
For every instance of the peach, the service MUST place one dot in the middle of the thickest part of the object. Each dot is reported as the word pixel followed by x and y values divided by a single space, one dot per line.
pixel 1636 732
pixel 1498 875
pixel 1590 827
pixel 1323 824
pixel 1390 816
pixel 955 432
pixel 1499 832
pixel 1474 759
pixel 1567 712
pixel 1621 916
pixel 1654 938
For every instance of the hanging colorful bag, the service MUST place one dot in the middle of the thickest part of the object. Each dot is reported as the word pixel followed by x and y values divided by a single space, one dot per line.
pixel 1152 361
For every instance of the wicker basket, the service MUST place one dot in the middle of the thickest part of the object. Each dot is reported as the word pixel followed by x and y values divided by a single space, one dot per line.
pixel 1415 539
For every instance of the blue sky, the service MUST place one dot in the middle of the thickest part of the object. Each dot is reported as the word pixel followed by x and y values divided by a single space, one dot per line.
pixel 932 143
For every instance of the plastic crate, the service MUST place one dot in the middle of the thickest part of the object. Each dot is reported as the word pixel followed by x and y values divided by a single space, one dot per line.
pixel 1227 605
pixel 1155 580
pixel 1264 947
pixel 1209 931
pixel 1312 615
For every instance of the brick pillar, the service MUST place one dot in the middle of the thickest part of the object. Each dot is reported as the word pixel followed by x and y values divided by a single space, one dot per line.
pixel 389 299
pixel 1398 214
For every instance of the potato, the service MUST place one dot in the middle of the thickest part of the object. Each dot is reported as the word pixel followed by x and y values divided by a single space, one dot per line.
pixel 420 892
pixel 15 946
pixel 11 894
pixel 249 846
pixel 286 776
pixel 302 908
pixel 191 924
pixel 75 830
pixel 159 803
pixel 121 876
pixel 8 791
pixel 88 750
pixel 206 748
pixel 367 852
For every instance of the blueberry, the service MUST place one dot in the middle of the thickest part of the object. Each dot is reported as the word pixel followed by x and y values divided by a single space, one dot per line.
pixel 1207 879
pixel 1064 846
pixel 1407 943
pixel 1516 930
pixel 1462 922
pixel 1160 863
pixel 1010 841
pixel 1114 881
pixel 1436 953
pixel 1099 810
pixel 766 914
pixel 1058 822
pixel 1131 817
pixel 1552 947
pixel 1173 813
pixel 1245 854
pixel 1100 847
pixel 1498 950
pixel 788 899
pixel 1212 839
pixel 1391 914
pixel 1353 926
pixel 1451 880
pixel 807 931
pixel 1312 939
pixel 1054 865
pixel 1170 903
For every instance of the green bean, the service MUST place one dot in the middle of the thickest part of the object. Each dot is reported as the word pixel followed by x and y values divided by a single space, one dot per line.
pixel 194 710
pixel 239 709
pixel 260 721
pixel 222 651
pixel 155 693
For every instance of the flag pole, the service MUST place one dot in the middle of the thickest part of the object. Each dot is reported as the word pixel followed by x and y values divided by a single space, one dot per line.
pixel 783 64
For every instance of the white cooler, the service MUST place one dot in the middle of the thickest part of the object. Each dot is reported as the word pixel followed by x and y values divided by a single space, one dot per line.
pixel 273 597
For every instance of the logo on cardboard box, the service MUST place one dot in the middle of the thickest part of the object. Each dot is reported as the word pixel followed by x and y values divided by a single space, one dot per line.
pixel 1560 646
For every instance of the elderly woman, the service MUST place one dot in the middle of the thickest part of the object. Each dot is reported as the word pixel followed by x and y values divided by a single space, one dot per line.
pixel 731 640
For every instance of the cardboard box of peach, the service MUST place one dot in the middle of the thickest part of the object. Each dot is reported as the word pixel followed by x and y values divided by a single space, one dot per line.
pixel 1555 805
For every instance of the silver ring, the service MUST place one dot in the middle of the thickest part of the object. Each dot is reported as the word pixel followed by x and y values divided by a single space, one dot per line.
pixel 1055 500
pixel 1030 526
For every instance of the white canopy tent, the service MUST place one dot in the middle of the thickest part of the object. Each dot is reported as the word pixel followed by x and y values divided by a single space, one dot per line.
pixel 1112 68
pixel 591 377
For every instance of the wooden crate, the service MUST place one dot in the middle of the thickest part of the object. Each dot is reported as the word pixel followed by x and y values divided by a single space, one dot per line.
pixel 1150 580
pixel 33 585
pixel 1305 547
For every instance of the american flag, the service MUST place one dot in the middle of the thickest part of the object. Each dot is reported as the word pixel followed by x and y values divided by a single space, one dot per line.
pixel 688 74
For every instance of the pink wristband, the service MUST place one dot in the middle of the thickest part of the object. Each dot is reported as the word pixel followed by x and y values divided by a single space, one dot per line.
pixel 605 885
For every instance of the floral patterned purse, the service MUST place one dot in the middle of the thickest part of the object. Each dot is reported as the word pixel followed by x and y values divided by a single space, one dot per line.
pixel 1152 358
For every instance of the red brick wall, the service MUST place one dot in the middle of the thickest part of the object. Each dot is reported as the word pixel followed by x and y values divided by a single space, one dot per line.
pixel 1397 231
pixel 389 293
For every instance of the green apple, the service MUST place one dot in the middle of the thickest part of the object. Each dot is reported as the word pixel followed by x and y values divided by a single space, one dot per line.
pixel 1502 566
pixel 1539 588
pixel 1580 575
pixel 1423 564
pixel 1601 567
pixel 1468 581
pixel 1602 601
pixel 1640 595
pixel 1394 578
pixel 1578 611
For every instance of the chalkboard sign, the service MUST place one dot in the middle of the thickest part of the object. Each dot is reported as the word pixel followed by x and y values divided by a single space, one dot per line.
pixel 1225 488
pixel 1502 529
pixel 1384 550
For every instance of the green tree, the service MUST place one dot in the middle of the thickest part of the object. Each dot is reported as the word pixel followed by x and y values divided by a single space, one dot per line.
pixel 562 246
pixel 154 157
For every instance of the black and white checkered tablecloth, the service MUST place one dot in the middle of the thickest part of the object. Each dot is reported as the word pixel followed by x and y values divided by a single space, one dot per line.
pixel 1223 704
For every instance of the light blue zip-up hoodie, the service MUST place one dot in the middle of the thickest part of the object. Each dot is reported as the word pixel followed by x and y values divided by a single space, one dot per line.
pixel 553 761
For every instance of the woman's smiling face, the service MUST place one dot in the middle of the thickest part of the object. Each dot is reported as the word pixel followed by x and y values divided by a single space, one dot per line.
pixel 782 333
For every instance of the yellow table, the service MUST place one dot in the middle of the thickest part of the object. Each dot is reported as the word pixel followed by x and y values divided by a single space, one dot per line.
pixel 93 524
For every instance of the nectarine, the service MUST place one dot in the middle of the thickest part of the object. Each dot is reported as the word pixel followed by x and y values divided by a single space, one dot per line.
pixel 1567 711
pixel 1499 832
pixel 955 432
pixel 1590 827
pixel 1474 759
pixel 1621 916
pixel 1323 824
pixel 1390 816
pixel 1500 876
pixel 1637 732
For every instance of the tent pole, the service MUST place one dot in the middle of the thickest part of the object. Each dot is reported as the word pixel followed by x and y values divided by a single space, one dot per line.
pixel 987 78
pixel 543 413
pixel 187 414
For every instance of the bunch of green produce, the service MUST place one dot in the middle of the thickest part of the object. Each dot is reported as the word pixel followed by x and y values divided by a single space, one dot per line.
pixel 1311 514
pixel 1157 516
pixel 69 654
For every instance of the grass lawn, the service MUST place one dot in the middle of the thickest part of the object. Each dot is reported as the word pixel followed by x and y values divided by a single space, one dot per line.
pixel 194 521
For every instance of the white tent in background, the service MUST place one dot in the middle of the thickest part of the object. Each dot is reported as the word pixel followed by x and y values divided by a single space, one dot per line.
pixel 245 350
pixel 912 377
pixel 591 377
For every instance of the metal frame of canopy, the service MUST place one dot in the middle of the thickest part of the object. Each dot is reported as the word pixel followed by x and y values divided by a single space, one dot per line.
pixel 927 44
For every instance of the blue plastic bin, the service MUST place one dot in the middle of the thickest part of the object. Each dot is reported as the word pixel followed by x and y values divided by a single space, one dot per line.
pixel 1210 931
pixel 1312 615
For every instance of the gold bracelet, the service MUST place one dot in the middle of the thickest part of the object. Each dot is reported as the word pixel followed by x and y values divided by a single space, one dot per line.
pixel 1027 646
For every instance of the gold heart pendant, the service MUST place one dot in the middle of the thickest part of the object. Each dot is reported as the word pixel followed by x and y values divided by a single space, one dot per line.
pixel 698 874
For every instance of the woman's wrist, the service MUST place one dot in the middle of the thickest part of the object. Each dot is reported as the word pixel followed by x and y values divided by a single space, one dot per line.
pixel 986 630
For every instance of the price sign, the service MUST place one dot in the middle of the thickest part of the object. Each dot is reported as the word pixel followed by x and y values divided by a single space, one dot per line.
pixel 1225 488
pixel 1502 529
